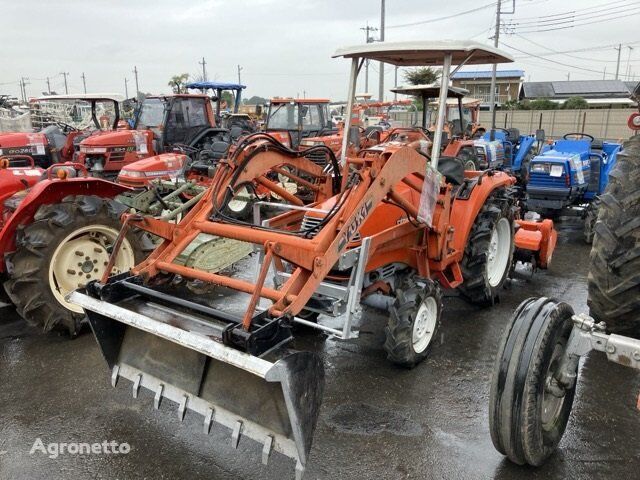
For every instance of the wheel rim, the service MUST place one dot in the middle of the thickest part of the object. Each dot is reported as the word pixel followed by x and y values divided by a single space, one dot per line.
pixel 553 395
pixel 469 165
pixel 498 254
pixel 81 257
pixel 240 199
pixel 425 324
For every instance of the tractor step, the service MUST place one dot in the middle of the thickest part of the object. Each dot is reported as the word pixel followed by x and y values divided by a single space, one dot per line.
pixel 178 355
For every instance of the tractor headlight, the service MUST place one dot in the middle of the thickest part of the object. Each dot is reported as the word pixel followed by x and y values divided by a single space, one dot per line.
pixel 131 173
pixel 89 150
pixel 310 143
pixel 540 168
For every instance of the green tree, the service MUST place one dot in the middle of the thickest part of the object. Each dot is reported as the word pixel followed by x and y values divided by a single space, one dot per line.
pixel 542 104
pixel 178 83
pixel 421 75
pixel 255 100
pixel 575 103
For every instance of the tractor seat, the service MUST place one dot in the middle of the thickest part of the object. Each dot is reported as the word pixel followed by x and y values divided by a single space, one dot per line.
pixel 597 144
pixel 513 135
pixel 452 168
pixel 218 150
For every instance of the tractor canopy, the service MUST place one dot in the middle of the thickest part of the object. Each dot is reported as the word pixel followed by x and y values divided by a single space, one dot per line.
pixel 219 88
pixel 293 119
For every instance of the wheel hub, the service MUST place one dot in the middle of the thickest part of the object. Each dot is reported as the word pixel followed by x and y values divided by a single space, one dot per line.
pixel 498 251
pixel 424 324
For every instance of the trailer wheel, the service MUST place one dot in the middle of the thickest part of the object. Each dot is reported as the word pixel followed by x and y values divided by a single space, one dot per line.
pixel 528 408
pixel 590 217
pixel 489 251
pixel 414 320
pixel 66 246
pixel 240 205
pixel 614 278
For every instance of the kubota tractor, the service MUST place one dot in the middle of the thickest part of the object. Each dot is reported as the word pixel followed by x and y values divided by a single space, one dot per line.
pixel 537 367
pixel 163 124
pixel 390 222
pixel 57 142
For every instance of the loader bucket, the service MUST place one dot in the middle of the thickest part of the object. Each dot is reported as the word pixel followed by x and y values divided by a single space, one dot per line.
pixel 180 358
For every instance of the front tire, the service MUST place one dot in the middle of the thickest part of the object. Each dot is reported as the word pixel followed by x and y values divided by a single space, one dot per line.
pixel 528 408
pixel 590 218
pixel 66 246
pixel 489 252
pixel 414 321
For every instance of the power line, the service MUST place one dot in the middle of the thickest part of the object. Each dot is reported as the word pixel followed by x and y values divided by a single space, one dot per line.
pixel 600 19
pixel 571 16
pixel 573 11
pixel 439 19
pixel 599 72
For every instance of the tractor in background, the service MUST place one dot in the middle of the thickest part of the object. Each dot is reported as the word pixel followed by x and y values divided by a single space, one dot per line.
pixel 389 221
pixel 538 363
pixel 508 150
pixel 59 141
pixel 571 173
pixel 165 123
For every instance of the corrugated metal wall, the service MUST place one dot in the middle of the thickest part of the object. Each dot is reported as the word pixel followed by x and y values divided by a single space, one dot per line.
pixel 609 124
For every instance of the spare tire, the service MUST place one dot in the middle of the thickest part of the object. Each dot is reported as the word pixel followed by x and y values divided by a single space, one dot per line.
pixel 614 273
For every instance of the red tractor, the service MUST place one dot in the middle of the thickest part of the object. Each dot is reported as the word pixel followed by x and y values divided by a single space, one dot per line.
pixel 58 141
pixel 57 229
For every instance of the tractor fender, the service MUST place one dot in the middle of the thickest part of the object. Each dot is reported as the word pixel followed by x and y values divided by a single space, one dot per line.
pixel 465 210
pixel 52 191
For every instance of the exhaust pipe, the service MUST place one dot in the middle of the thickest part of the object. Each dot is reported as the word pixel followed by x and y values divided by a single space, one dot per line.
pixel 179 357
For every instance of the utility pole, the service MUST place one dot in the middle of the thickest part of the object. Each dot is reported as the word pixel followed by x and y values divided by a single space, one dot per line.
pixel 492 92
pixel 23 88
pixel 604 73
pixel 204 70
pixel 628 70
pixel 239 76
pixel 370 39
pixel 395 84
pixel 135 73
pixel 48 86
pixel 126 88
pixel 568 76
pixel 381 81
pixel 84 82
pixel 619 48
pixel 66 87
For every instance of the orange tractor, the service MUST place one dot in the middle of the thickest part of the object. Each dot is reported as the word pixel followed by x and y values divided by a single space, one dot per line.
pixel 390 221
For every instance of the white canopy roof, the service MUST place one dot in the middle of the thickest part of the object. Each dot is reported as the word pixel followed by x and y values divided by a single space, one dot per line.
pixel 113 97
pixel 425 53
pixel 430 90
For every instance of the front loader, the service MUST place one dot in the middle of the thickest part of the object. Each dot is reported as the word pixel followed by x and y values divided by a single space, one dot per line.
pixel 391 222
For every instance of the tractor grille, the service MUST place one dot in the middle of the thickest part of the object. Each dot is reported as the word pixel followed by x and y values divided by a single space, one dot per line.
pixel 310 222
pixel 546 181
pixel 116 156
pixel 319 158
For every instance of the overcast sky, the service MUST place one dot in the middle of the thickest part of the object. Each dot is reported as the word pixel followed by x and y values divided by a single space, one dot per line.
pixel 284 46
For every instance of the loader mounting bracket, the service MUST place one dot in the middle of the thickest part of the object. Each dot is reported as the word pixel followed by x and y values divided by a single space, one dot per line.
pixel 267 335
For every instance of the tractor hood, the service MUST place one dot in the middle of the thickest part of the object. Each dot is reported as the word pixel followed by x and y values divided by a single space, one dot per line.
pixel 116 138
pixel 166 166
pixel 20 139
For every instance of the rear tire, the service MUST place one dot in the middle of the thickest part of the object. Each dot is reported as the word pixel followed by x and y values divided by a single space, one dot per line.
pixel 489 252
pixel 47 263
pixel 414 320
pixel 590 218
pixel 614 273
pixel 528 408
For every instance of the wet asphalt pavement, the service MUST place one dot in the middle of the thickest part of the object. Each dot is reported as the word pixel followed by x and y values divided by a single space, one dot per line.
pixel 377 421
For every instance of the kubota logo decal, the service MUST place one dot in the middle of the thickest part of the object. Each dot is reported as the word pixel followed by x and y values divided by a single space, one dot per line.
pixel 355 224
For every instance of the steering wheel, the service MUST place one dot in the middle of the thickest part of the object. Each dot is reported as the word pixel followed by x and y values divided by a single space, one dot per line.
pixel 577 135
pixel 66 128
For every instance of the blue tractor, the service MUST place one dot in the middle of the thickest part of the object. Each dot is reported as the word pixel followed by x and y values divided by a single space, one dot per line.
pixel 571 172
pixel 508 150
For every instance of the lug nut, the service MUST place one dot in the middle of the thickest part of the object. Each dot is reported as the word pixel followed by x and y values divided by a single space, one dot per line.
pixel 79 253
pixel 71 272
